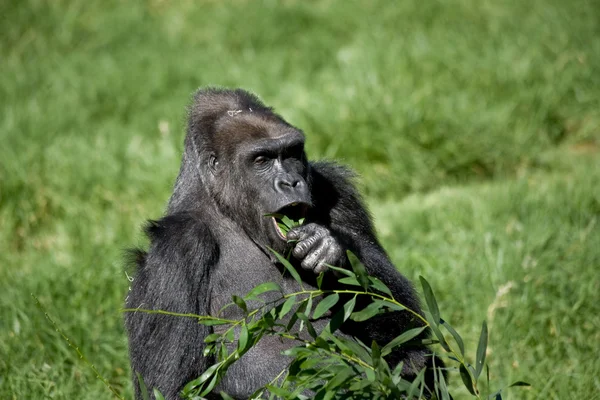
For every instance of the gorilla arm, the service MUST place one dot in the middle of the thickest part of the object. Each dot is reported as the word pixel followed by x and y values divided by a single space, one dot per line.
pixel 343 223
pixel 173 276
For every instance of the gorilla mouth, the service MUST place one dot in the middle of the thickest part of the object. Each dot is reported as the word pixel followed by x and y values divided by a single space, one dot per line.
pixel 288 217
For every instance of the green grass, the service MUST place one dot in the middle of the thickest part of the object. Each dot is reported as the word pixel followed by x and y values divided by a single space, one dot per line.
pixel 474 126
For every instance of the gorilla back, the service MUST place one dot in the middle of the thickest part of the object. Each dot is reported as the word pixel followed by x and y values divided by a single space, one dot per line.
pixel 242 161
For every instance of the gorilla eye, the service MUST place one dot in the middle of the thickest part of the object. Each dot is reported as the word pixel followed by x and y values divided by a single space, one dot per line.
pixel 261 160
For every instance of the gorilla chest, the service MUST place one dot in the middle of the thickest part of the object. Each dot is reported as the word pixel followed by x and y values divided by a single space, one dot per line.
pixel 239 270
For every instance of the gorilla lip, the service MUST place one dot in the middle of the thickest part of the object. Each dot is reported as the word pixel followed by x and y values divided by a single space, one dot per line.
pixel 294 211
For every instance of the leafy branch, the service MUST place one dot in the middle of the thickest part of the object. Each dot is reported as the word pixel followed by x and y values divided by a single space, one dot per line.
pixel 326 366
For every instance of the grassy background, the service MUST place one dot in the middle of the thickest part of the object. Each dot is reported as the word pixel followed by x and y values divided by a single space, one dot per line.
pixel 474 126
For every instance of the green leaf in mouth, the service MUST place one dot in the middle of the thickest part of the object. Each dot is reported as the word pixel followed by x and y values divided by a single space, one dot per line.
pixel 284 222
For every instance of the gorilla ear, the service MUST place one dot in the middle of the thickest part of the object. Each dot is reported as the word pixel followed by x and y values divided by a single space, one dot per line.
pixel 213 162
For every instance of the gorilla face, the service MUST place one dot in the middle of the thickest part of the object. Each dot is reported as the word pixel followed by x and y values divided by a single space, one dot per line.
pixel 278 170
pixel 267 170
pixel 277 166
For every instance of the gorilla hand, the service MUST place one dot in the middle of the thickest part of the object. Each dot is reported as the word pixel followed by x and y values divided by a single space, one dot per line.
pixel 316 246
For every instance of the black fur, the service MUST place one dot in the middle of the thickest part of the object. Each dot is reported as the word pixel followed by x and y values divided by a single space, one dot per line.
pixel 212 244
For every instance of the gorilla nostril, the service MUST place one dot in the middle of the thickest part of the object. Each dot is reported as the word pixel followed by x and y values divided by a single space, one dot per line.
pixel 283 184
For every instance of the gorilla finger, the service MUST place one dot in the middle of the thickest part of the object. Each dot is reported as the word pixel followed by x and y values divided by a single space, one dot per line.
pixel 321 266
pixel 311 260
pixel 335 255
pixel 319 254
pixel 305 231
pixel 331 257
pixel 296 234
pixel 304 246
pixel 300 250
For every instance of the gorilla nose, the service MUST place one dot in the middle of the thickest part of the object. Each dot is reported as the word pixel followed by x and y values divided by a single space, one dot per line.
pixel 287 184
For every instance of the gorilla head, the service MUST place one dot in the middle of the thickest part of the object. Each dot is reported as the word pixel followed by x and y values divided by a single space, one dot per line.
pixel 247 160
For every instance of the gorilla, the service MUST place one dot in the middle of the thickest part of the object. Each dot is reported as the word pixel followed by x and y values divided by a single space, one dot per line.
pixel 242 162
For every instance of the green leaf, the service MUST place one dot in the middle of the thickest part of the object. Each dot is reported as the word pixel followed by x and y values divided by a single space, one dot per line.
pixel 384 370
pixel 158 395
pixel 240 303
pixel 309 326
pixel 349 346
pixel 309 304
pixel 339 378
pixel 436 331
pixel 370 374
pixel 359 269
pixel 243 339
pixel 298 351
pixel 320 279
pixel 208 350
pixel 207 389
pixel 212 338
pixel 290 268
pixel 308 363
pixel 430 299
pixel 403 338
pixel 294 317
pixel 417 385
pixel 394 306
pixel 349 280
pixel 322 343
pixel 274 215
pixel 263 288
pixel 289 223
pixel 277 391
pixel 287 306
pixel 342 271
pixel 398 369
pixel 143 388
pixel 284 229
pixel 349 307
pixel 481 350
pixel 202 378
pixel 487 375
pixel 456 337
pixel 224 396
pixel 368 312
pixel 519 383
pixel 375 354
pixel 359 385
pixel 223 353
pixel 443 386
pixel 336 321
pixel 466 378
pixel 378 285
pixel 325 304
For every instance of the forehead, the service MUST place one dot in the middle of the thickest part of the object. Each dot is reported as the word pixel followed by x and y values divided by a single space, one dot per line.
pixel 251 129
